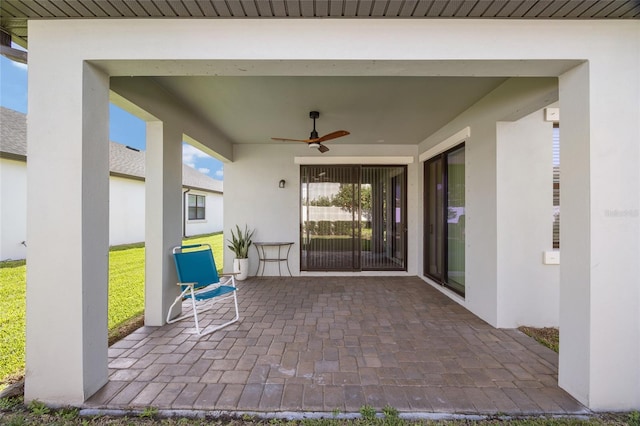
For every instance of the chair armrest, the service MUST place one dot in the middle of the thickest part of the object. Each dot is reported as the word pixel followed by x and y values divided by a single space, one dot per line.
pixel 228 279
pixel 191 284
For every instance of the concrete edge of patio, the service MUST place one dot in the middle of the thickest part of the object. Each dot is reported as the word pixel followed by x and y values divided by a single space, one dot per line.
pixel 305 415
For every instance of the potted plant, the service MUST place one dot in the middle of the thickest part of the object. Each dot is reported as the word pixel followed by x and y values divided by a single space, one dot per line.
pixel 239 245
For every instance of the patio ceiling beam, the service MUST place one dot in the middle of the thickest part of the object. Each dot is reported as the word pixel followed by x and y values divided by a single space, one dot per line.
pixel 157 102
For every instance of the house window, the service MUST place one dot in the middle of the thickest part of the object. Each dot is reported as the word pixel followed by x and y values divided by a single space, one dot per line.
pixel 196 207
pixel 444 234
pixel 556 186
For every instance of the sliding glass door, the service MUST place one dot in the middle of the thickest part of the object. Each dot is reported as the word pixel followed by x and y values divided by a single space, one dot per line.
pixel 444 237
pixel 434 196
pixel 383 223
pixel 353 218
pixel 330 211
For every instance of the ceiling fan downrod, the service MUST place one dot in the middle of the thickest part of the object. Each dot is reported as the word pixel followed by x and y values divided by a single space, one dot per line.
pixel 313 115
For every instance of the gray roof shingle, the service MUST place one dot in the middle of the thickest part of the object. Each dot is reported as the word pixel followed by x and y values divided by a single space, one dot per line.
pixel 123 160
pixel 126 161
pixel 13 132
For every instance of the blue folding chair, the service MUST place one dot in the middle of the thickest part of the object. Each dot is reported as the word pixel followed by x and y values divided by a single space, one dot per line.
pixel 201 284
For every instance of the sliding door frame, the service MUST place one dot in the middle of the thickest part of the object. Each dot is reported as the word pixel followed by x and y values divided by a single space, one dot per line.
pixel 443 279
pixel 390 213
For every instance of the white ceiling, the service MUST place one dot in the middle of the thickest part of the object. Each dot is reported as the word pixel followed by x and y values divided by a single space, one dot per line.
pixel 390 110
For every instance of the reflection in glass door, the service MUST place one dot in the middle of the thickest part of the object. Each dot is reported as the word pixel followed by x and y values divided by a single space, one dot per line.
pixel 330 208
pixel 353 218
pixel 455 219
pixel 383 218
pixel 445 219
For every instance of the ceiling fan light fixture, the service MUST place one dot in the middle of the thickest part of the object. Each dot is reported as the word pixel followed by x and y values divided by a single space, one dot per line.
pixel 314 145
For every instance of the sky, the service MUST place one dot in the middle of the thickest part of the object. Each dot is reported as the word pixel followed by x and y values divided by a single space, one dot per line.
pixel 124 127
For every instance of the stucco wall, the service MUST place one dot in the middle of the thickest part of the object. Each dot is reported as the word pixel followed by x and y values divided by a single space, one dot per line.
pixel 252 195
pixel 13 209
pixel 126 211
pixel 528 290
pixel 510 101
pixel 127 207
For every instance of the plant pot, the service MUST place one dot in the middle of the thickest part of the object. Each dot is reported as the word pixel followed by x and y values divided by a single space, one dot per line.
pixel 241 267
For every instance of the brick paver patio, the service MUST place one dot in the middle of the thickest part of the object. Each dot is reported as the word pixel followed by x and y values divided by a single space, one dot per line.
pixel 321 344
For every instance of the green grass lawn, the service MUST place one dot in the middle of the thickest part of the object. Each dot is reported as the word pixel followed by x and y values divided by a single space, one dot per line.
pixel 13 276
pixel 126 297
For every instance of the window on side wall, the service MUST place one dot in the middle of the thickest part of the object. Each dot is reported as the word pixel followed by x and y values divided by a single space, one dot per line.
pixel 196 207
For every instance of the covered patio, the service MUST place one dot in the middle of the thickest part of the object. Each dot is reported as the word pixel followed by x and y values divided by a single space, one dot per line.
pixel 320 344
pixel 227 86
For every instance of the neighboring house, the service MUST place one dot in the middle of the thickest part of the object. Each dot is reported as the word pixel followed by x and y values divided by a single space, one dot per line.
pixel 126 193
pixel 202 198
pixel 13 185
pixel 448 100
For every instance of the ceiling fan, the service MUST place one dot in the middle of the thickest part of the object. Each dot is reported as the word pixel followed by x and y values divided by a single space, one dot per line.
pixel 314 141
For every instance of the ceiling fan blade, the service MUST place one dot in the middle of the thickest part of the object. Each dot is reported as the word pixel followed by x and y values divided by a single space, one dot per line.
pixel 323 149
pixel 332 135
pixel 314 141
pixel 292 140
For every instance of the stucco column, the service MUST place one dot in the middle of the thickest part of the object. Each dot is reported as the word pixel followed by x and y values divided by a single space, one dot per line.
pixel 600 232
pixel 67 227
pixel 163 212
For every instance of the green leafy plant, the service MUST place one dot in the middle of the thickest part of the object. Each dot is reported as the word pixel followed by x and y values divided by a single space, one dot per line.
pixel 368 413
pixel 7 404
pixel 634 418
pixel 391 416
pixel 240 242
pixel 38 408
pixel 247 418
pixel 18 420
pixel 149 413
pixel 67 413
pixel 390 412
pixel 321 422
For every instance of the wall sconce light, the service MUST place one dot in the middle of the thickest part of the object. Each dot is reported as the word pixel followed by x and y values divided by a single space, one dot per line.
pixel 281 183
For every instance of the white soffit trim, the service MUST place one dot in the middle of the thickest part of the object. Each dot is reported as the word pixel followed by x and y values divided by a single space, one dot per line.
pixel 354 160
pixel 450 142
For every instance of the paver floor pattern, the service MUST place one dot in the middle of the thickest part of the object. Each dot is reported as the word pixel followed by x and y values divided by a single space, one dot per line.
pixel 336 343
